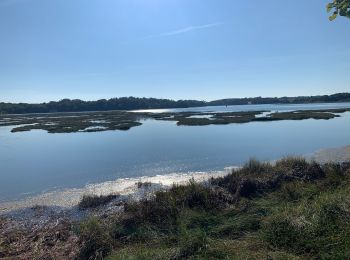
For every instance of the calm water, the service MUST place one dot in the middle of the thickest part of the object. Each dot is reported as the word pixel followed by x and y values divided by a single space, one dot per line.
pixel 35 162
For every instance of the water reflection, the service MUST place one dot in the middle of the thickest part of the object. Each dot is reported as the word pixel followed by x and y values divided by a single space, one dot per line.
pixel 32 162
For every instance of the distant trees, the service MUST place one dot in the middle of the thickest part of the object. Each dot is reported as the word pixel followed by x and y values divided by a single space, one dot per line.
pixel 133 103
pixel 76 105
pixel 339 7
pixel 340 97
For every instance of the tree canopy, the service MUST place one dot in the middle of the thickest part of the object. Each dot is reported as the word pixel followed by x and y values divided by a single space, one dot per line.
pixel 339 7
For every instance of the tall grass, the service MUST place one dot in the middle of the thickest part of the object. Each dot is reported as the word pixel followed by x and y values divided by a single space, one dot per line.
pixel 95 240
pixel 292 209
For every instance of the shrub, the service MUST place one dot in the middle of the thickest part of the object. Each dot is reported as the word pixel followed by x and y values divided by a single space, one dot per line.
pixel 94 201
pixel 243 183
pixel 254 166
pixel 334 175
pixel 161 210
pixel 198 196
pixel 164 208
pixel 299 191
pixel 292 163
pixel 256 178
pixel 145 185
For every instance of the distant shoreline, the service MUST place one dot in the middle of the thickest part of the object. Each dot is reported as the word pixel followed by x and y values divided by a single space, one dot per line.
pixel 134 103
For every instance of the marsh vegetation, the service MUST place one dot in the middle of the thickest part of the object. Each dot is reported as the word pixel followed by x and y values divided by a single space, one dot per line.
pixel 122 120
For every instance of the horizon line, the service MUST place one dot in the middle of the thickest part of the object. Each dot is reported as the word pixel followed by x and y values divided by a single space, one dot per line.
pixel 170 99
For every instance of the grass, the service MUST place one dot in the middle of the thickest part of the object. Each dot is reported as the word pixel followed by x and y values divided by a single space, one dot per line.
pixel 317 227
pixel 123 120
pixel 293 209
pixel 302 115
pixel 96 243
pixel 187 119
pixel 75 122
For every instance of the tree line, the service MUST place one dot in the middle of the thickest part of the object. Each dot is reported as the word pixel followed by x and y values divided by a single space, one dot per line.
pixel 133 103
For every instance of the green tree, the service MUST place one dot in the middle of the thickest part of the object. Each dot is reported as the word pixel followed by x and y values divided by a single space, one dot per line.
pixel 339 7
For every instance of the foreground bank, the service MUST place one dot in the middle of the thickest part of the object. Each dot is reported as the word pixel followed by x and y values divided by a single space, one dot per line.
pixel 292 209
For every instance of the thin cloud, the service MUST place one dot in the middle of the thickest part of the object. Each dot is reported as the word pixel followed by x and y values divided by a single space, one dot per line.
pixel 179 31
pixel 188 29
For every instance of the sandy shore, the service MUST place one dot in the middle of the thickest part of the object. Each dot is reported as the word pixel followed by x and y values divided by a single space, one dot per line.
pixel 126 187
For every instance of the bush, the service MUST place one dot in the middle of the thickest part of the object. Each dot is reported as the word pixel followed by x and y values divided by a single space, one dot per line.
pixel 94 201
pixel 145 185
pixel 334 174
pixel 160 210
pixel 254 166
pixel 197 196
pixel 292 163
pixel 164 208
pixel 241 183
pixel 256 178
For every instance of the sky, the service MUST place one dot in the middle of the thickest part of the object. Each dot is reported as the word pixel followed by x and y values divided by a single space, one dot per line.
pixel 177 49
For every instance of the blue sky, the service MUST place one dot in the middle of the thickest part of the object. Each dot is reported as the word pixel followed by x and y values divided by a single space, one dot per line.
pixel 179 49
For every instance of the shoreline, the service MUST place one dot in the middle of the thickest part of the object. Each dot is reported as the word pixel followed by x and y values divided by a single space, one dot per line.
pixel 67 199
pixel 66 232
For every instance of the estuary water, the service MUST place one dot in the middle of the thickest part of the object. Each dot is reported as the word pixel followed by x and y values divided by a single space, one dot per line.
pixel 36 162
